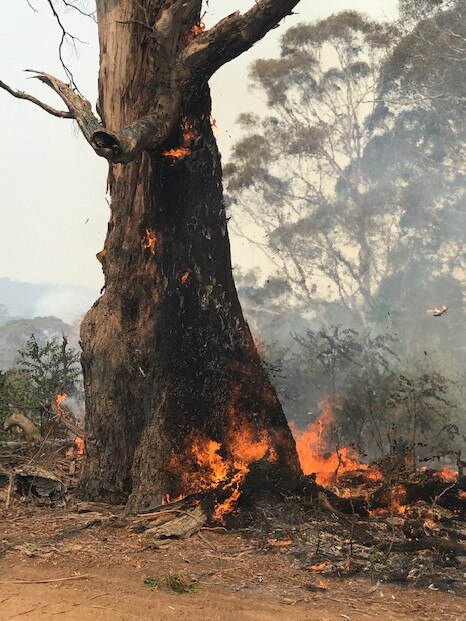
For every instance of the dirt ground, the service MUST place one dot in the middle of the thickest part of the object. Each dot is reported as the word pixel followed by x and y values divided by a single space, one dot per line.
pixel 49 569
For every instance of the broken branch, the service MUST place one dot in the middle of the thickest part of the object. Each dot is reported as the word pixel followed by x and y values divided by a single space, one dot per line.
pixel 233 35
pixel 62 114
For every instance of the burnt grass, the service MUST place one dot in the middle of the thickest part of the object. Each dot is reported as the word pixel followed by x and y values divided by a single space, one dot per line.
pixel 425 547
pixel 331 544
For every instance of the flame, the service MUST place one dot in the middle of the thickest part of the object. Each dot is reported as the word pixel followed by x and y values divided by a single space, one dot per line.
pixel 149 240
pixel 398 501
pixel 196 30
pixel 320 567
pixel 188 136
pixel 447 474
pixel 59 398
pixel 280 543
pixel 185 277
pixel 207 464
pixel 462 495
pixel 78 448
pixel 317 457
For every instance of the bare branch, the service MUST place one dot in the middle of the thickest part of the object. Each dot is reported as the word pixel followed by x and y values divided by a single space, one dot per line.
pixel 64 36
pixel 206 53
pixel 123 146
pixel 234 35
pixel 21 95
pixel 79 108
pixel 72 5
pixel 31 7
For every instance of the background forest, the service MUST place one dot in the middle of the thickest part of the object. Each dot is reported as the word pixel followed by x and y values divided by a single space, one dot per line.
pixel 353 187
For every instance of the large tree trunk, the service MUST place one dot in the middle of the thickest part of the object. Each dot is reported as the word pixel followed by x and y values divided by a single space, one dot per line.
pixel 167 355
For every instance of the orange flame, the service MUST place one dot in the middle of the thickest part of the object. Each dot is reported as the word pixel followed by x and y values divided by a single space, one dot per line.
pixel 320 567
pixel 78 441
pixel 196 30
pixel 210 464
pixel 185 277
pixel 188 136
pixel 447 474
pixel 316 455
pixel 79 446
pixel 59 398
pixel 149 240
pixel 280 543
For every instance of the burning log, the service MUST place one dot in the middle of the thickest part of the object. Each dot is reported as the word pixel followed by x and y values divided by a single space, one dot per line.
pixel 61 415
pixel 435 487
pixel 20 420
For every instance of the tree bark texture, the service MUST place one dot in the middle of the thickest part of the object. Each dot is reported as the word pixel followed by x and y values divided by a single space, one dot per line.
pixel 167 354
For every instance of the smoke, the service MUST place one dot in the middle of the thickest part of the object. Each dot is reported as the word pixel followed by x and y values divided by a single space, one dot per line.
pixel 76 408
pixel 64 302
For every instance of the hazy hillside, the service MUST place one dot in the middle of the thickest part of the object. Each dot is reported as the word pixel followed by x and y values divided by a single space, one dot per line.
pixel 15 333
pixel 24 299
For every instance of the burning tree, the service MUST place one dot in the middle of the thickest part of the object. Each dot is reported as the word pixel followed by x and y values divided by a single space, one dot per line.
pixel 168 359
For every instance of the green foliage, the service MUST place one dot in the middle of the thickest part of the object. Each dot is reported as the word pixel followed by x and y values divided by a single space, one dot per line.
pixel 381 400
pixel 41 373
pixel 53 368
pixel 153 583
pixel 172 583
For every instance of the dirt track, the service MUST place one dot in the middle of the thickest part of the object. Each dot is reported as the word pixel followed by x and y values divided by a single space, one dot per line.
pixel 236 582
pixel 235 576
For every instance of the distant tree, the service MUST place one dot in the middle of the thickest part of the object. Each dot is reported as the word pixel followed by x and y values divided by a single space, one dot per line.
pixel 354 184
pixel 297 175
pixel 53 367
pixel 421 118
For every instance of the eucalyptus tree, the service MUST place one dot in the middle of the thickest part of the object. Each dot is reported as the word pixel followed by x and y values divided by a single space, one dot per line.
pixel 166 350
pixel 325 228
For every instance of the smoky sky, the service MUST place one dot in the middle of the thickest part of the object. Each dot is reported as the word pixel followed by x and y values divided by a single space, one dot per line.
pixel 54 213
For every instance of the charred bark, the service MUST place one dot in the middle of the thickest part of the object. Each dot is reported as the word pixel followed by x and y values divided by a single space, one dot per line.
pixel 166 350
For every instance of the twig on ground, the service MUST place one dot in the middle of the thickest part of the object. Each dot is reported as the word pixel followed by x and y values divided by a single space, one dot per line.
pixel 47 580
pixel 206 541
pixel 11 477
